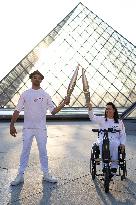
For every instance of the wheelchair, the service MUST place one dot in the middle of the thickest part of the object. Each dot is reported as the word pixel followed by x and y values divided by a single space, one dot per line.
pixel 106 159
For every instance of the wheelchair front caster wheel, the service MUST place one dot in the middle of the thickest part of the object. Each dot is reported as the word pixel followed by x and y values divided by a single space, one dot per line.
pixel 93 174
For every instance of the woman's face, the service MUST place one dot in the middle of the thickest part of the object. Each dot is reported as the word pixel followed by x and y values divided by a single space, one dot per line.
pixel 109 111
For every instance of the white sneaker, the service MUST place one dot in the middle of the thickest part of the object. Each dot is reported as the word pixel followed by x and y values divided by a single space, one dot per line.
pixel 19 179
pixel 49 178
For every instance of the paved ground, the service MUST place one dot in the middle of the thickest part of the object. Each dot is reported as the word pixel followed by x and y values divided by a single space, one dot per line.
pixel 69 153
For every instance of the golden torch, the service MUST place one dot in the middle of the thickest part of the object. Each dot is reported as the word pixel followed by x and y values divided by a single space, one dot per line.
pixel 85 86
pixel 72 83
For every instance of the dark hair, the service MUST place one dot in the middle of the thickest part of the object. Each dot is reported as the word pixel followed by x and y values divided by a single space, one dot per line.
pixel 116 115
pixel 36 72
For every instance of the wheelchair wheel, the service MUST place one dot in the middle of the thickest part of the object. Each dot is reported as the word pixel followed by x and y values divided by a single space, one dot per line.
pixel 122 163
pixel 92 166
pixel 94 155
pixel 124 172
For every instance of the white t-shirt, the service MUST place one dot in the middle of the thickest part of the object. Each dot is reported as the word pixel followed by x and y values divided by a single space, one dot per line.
pixel 103 124
pixel 35 104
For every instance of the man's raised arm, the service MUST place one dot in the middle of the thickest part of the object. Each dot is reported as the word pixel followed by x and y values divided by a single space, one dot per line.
pixel 66 101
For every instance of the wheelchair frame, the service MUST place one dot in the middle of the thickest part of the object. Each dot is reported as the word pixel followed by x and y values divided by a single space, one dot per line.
pixel 95 159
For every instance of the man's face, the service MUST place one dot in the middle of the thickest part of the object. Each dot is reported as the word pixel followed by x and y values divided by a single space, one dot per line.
pixel 36 80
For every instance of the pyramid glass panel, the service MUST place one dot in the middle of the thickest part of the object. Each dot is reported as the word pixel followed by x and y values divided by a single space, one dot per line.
pixel 132 115
pixel 80 38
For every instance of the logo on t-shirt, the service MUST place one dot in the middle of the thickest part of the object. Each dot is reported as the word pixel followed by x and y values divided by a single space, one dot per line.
pixel 38 99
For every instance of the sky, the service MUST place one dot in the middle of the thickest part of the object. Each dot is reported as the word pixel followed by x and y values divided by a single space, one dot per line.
pixel 23 23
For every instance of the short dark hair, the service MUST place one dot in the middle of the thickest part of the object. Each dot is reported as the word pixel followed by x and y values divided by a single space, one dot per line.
pixel 36 72
pixel 116 115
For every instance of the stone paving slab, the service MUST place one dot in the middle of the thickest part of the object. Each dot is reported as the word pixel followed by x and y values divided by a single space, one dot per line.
pixel 69 154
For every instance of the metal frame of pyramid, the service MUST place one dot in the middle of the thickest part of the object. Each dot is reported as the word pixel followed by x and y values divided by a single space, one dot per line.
pixel 81 37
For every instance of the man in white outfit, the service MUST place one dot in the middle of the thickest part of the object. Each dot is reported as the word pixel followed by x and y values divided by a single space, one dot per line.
pixel 35 102
pixel 110 120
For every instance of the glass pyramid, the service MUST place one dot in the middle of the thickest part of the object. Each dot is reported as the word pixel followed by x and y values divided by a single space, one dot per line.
pixel 81 37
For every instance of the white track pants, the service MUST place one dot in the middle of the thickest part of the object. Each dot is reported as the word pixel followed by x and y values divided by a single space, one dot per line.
pixel 113 151
pixel 41 138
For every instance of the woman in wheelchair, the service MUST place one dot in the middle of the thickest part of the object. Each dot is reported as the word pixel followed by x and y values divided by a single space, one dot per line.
pixel 110 120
